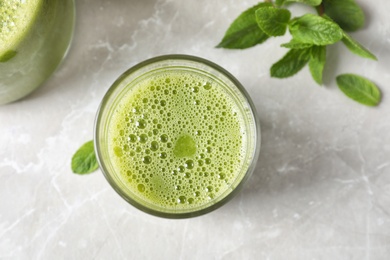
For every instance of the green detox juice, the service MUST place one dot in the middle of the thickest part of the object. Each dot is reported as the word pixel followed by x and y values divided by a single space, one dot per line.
pixel 34 37
pixel 179 140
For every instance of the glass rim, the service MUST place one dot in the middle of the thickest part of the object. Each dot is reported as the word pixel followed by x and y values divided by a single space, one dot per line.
pixel 118 83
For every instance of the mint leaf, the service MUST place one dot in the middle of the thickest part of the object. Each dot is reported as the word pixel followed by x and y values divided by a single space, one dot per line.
pixel 355 47
pixel 315 30
pixel 273 21
pixel 7 55
pixel 279 2
pixel 291 63
pixel 359 89
pixel 244 32
pixel 307 2
pixel 346 13
pixel 84 160
pixel 294 44
pixel 317 62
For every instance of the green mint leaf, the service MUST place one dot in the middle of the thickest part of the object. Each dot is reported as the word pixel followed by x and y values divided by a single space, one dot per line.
pixel 7 55
pixel 317 62
pixel 244 32
pixel 355 47
pixel 315 30
pixel 273 21
pixel 294 44
pixel 84 160
pixel 346 13
pixel 306 2
pixel 279 2
pixel 291 63
pixel 359 89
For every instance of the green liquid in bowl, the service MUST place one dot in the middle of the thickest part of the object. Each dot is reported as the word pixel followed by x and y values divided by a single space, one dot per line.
pixel 34 38
pixel 16 18
pixel 178 140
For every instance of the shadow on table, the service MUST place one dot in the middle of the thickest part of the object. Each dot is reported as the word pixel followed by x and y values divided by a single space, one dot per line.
pixel 290 160
pixel 298 164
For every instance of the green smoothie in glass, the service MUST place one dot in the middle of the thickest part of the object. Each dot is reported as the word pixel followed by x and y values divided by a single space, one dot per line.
pixel 34 37
pixel 176 136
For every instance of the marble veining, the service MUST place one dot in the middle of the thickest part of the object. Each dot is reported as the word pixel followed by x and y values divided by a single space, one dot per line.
pixel 321 189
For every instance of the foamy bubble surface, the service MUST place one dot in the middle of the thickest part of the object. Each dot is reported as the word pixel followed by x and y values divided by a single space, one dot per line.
pixel 15 19
pixel 177 140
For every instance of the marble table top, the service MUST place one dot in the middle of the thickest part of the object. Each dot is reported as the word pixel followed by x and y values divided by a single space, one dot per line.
pixel 321 189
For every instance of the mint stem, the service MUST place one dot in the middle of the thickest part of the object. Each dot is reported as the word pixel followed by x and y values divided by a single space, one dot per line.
pixel 320 9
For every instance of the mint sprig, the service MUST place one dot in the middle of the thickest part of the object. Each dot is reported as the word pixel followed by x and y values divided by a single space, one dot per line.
pixel 84 160
pixel 311 34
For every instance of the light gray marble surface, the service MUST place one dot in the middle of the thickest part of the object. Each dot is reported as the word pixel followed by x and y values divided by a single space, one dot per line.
pixel 321 189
